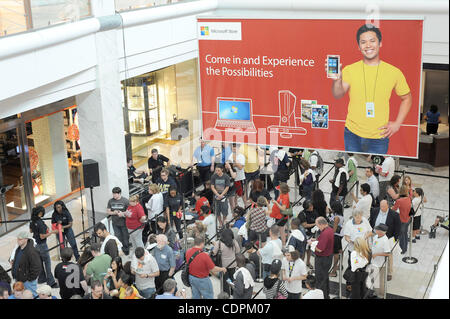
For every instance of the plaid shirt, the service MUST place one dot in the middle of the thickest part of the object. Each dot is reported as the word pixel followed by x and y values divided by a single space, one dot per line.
pixel 258 219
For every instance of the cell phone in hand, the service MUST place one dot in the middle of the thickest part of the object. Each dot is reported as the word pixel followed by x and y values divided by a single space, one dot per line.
pixel 333 62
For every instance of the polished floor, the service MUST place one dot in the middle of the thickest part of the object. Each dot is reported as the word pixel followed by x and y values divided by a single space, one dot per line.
pixel 409 280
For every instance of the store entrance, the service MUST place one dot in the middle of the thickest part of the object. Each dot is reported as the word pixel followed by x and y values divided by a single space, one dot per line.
pixel 14 198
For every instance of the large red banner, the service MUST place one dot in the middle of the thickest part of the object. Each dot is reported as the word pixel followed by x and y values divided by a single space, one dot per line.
pixel 265 82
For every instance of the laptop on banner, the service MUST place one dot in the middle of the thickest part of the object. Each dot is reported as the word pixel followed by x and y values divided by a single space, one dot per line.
pixel 234 113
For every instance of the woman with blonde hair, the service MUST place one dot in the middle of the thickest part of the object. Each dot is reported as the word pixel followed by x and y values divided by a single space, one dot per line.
pixel 359 259
pixel 407 181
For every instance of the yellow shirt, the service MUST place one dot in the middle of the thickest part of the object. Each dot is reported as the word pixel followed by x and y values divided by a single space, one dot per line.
pixel 122 293
pixel 389 78
pixel 250 153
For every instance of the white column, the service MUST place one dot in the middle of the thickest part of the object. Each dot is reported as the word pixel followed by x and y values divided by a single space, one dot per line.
pixel 50 144
pixel 101 125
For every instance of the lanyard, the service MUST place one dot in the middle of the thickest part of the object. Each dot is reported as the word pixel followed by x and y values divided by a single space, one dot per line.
pixel 375 87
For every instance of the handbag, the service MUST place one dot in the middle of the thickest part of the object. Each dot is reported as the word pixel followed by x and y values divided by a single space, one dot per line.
pixel 217 258
pixel 349 275
pixel 287 212
pixel 278 294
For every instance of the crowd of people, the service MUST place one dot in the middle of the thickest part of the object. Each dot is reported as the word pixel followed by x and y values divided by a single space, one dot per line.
pixel 239 225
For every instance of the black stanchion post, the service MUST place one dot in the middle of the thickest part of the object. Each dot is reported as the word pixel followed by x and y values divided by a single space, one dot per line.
pixel 93 210
pixel 82 207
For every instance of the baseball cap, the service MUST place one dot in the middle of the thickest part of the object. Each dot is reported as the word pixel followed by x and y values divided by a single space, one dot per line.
pixel 276 266
pixel 24 235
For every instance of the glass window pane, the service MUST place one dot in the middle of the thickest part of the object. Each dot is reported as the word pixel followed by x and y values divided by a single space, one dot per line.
pixel 12 17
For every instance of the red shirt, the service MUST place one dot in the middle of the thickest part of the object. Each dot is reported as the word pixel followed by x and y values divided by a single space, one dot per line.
pixel 404 203
pixel 137 212
pixel 282 200
pixel 326 242
pixel 202 201
pixel 201 265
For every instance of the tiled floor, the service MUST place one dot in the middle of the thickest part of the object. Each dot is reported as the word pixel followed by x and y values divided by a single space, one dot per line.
pixel 409 280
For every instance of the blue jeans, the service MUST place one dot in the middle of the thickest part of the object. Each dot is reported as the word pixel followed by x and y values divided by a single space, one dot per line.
pixel 31 286
pixel 201 288
pixel 70 237
pixel 46 273
pixel 121 232
pixel 147 293
pixel 307 191
pixel 355 143
pixel 403 236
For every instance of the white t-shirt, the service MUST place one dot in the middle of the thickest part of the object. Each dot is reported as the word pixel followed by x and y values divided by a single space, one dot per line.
pixel 357 261
pixel 240 159
pixel 387 167
pixel 380 245
pixel 272 250
pixel 364 204
pixel 210 223
pixel 295 269
pixel 155 205
pixel 355 231
pixel 418 209
pixel 314 294
pixel 148 266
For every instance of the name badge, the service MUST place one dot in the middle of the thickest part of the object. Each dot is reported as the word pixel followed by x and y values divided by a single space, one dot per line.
pixel 370 109
pixel 163 256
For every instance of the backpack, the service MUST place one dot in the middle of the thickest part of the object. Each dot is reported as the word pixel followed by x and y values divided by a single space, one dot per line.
pixel 319 167
pixel 185 271
pixel 308 180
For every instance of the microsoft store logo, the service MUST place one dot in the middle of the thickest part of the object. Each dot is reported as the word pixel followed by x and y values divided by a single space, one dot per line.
pixel 204 30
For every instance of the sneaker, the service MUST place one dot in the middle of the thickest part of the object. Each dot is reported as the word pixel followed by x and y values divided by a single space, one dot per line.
pixel 418 237
pixel 414 241
pixel 403 252
pixel 389 277
pixel 55 285
pixel 347 206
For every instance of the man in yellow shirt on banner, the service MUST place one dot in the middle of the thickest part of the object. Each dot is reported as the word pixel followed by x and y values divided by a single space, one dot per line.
pixel 370 82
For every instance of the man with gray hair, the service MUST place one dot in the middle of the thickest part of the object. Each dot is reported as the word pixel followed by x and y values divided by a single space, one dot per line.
pixel 169 287
pixel 26 262
pixel 324 255
pixel 165 258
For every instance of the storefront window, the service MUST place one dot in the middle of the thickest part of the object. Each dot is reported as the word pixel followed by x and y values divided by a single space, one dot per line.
pixel 54 154
pixel 12 192
pixel 161 108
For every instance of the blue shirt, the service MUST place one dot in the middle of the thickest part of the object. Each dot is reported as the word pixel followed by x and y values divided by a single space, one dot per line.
pixel 381 218
pixel 238 223
pixel 226 152
pixel 205 156
pixel 166 296
pixel 165 258
pixel 433 118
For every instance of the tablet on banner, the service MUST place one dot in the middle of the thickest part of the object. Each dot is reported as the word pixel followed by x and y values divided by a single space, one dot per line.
pixel 340 85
